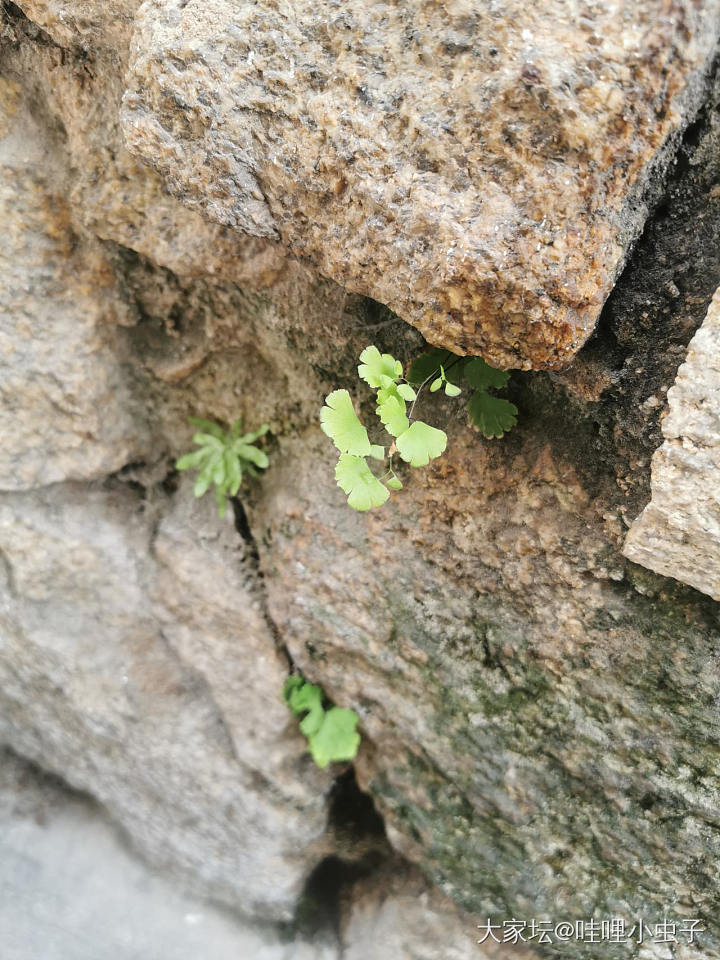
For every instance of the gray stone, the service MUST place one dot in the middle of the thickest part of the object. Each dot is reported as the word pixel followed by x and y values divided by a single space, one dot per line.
pixel 678 533
pixel 94 685
pixel 481 170
pixel 72 890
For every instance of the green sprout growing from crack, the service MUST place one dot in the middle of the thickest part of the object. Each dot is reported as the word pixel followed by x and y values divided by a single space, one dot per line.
pixel 223 457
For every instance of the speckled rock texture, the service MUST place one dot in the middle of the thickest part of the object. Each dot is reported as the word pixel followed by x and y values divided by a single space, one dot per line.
pixel 678 533
pixel 480 168
pixel 539 713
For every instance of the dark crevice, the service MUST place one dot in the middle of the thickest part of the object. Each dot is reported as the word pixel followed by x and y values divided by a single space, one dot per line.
pixel 362 850
pixel 242 525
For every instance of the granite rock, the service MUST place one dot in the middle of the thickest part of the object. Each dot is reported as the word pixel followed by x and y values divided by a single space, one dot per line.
pixel 678 533
pixel 482 171
pixel 64 869
pixel 397 915
pixel 65 389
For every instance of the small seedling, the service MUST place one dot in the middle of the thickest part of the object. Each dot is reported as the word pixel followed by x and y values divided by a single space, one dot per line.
pixel 222 458
pixel 331 732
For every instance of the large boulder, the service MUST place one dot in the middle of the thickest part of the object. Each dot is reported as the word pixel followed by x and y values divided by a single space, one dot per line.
pixel 481 169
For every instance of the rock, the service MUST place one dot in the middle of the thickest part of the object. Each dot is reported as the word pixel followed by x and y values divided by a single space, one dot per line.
pixel 85 25
pixel 482 172
pixel 506 674
pixel 109 192
pixel 397 915
pixel 64 383
pixel 94 686
pixel 538 714
pixel 64 869
pixel 678 533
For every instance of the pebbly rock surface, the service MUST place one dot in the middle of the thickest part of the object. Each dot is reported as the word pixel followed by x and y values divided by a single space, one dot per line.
pixel 678 533
pixel 538 712
pixel 481 169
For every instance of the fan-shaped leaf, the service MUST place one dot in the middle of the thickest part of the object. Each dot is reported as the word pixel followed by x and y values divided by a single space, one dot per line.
pixel 493 415
pixel 340 422
pixel 375 365
pixel 354 477
pixel 482 376
pixel 337 739
pixel 421 443
pixel 392 415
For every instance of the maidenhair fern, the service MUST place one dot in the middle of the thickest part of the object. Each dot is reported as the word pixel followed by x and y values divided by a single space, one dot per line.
pixel 331 732
pixel 222 458
pixel 413 440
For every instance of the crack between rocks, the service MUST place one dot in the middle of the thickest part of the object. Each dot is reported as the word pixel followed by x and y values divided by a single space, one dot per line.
pixel 242 526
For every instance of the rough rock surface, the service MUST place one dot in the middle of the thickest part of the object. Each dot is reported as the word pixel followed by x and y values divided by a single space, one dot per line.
pixel 64 385
pixel 128 698
pixel 539 714
pixel 480 169
pixel 678 533
pixel 396 915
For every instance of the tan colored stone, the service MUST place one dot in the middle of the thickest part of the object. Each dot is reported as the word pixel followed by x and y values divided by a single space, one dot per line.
pixel 85 24
pixel 480 169
pixel 65 391
pixel 678 533
pixel 398 915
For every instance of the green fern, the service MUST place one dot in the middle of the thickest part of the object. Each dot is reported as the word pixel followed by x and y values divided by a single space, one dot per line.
pixel 414 441
pixel 331 732
pixel 222 458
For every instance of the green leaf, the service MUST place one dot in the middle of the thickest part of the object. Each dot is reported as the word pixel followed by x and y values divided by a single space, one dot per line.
pixel 252 437
pixel 340 422
pixel 493 415
pixel 212 428
pixel 375 365
pixel 484 377
pixel 377 452
pixel 424 366
pixel 307 699
pixel 303 697
pixel 251 454
pixel 394 483
pixel 451 390
pixel 207 440
pixel 204 479
pixel 406 392
pixel 293 682
pixel 220 458
pixel 337 739
pixel 191 460
pixel 421 444
pixel 392 415
pixel 233 471
pixel 354 477
pixel 436 384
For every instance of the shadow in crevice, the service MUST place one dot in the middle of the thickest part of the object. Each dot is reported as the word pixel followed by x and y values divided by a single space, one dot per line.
pixel 361 849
